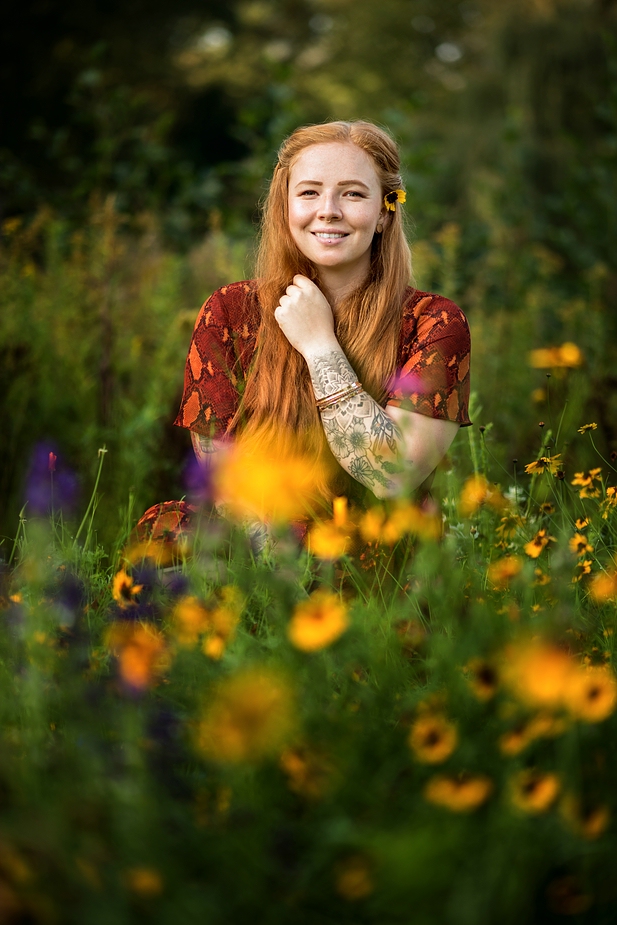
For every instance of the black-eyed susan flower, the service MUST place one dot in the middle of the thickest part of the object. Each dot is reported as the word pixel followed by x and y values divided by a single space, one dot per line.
pixel 124 589
pixel 609 503
pixel 578 545
pixel 586 427
pixel 585 481
pixel 317 622
pixel 591 693
pixel 460 794
pixel 589 821
pixel 432 738
pixel 482 677
pixel 583 568
pixel 534 791
pixel 542 725
pixel 540 541
pixel 390 199
pixel 581 523
pixel 544 464
pixel 508 525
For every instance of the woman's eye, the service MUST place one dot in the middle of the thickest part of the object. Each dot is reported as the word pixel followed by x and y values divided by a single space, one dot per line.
pixel 308 192
pixel 352 192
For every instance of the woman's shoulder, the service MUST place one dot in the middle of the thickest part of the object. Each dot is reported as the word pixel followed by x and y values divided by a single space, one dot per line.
pixel 419 304
pixel 233 304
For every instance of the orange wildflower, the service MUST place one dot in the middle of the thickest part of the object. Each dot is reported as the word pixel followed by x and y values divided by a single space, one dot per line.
pixel 432 738
pixel 604 586
pixel 327 540
pixel 461 794
pixel 317 622
pixel 538 673
pixel 141 652
pixel 478 491
pixel 534 791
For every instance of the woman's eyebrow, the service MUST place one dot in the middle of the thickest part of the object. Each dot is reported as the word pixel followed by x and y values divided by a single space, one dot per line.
pixel 341 183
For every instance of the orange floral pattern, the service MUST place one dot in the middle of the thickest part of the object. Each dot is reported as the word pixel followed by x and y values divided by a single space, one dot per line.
pixel 433 360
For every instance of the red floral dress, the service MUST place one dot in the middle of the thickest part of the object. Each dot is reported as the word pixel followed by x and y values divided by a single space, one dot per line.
pixel 432 375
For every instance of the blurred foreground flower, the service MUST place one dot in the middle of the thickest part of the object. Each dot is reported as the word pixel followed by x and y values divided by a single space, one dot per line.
pixel 141 652
pixel 432 738
pixel 589 822
pixel 503 570
pixel 542 725
pixel 216 623
pixel 280 487
pixel 249 717
pixel 482 678
pixel 542 675
pixel 604 586
pixel 144 881
pixel 405 518
pixel 534 791
pixel 317 622
pixel 308 772
pixel 568 356
pixel 476 492
pixel 460 794
pixel 354 878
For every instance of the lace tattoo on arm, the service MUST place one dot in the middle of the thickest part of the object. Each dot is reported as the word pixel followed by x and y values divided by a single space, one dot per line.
pixel 361 435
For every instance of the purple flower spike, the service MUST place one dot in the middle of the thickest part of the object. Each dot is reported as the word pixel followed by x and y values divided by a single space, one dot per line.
pixel 198 481
pixel 49 486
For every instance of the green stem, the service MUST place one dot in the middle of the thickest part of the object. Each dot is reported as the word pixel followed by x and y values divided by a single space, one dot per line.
pixel 91 502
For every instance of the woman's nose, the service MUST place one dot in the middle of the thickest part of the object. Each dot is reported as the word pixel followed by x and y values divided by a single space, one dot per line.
pixel 329 210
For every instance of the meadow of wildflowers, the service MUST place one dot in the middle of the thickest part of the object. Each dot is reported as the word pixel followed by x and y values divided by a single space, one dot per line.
pixel 409 717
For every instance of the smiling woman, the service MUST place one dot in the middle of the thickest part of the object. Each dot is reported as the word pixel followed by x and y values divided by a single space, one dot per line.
pixel 330 349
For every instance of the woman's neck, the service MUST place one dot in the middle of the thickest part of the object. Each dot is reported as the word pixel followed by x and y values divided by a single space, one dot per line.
pixel 336 287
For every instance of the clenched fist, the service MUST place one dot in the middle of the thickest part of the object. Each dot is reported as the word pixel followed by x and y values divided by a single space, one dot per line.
pixel 305 318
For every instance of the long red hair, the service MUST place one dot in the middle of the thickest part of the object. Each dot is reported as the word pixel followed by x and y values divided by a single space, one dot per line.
pixel 278 399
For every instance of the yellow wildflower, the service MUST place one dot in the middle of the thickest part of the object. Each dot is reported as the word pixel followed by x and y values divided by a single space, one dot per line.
pixel 482 678
pixel 583 567
pixel 585 480
pixel 534 791
pixel 250 715
pixel 140 650
pixel 568 356
pixel 589 822
pixel 591 694
pixel 308 772
pixel 586 427
pixel 578 545
pixel 317 622
pixel 476 492
pixel 609 503
pixel 537 672
pixel 124 589
pixel 501 571
pixel 144 881
pixel 461 794
pixel 328 541
pixel 538 543
pixel 354 878
pixel 604 586
pixel 544 464
pixel 432 738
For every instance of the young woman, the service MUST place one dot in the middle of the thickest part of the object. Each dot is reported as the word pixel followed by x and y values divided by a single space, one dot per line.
pixel 330 346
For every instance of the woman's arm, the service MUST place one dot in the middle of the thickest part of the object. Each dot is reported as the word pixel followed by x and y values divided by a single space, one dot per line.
pixel 384 449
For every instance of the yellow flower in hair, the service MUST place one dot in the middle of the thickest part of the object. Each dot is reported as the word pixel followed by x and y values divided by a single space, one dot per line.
pixel 390 199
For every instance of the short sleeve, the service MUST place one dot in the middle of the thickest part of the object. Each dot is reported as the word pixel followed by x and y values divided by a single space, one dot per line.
pixel 433 378
pixel 221 347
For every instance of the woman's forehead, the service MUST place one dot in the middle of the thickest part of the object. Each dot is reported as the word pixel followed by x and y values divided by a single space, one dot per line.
pixel 333 161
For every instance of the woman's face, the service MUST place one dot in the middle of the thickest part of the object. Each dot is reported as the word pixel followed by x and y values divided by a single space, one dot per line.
pixel 335 204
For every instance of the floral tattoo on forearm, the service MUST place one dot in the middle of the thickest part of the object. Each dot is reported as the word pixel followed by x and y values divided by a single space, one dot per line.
pixel 363 438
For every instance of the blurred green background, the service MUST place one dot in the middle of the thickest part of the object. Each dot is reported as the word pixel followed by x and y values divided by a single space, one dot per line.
pixel 137 141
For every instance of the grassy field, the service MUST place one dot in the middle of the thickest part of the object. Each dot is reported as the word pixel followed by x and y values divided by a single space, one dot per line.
pixel 412 719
